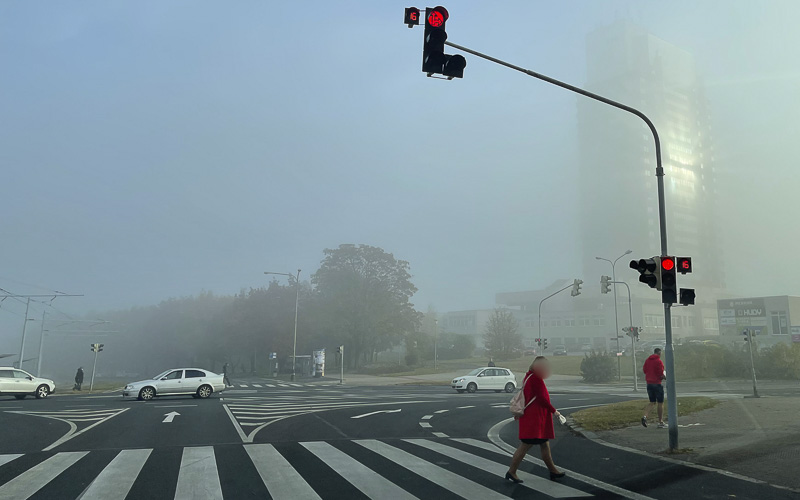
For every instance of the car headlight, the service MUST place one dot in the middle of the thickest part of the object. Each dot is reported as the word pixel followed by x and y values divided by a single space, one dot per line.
pixel 128 386
pixel 461 380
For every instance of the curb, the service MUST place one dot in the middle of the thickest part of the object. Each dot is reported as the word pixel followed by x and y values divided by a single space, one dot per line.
pixel 581 432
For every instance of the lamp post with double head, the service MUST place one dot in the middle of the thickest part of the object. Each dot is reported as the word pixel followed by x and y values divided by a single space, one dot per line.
pixel 616 318
pixel 296 303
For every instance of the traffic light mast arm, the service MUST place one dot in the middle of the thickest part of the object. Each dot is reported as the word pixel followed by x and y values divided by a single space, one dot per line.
pixel 542 302
pixel 672 405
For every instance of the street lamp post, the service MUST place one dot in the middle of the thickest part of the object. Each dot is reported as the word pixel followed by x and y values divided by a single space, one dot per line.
pixel 435 341
pixel 616 317
pixel 296 304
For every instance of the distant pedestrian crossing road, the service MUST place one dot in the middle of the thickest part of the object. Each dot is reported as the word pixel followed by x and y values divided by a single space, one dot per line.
pixel 343 469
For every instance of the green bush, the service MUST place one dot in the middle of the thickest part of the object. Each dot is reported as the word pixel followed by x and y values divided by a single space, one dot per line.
pixel 780 362
pixel 598 367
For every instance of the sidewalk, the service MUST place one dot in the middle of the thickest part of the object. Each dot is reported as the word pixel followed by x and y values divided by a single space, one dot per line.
pixel 758 438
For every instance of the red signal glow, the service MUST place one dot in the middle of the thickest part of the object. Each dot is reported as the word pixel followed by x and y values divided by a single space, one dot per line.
pixel 437 17
pixel 667 264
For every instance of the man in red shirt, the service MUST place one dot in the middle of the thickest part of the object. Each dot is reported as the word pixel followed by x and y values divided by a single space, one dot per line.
pixel 654 373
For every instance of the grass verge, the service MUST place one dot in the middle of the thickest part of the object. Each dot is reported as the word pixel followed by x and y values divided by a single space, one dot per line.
pixel 626 413
pixel 562 365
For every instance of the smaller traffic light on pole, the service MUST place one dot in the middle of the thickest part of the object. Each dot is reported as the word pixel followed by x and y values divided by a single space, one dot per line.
pixel 95 348
pixel 605 284
pixel 412 17
pixel 544 344
pixel 576 287
pixel 340 350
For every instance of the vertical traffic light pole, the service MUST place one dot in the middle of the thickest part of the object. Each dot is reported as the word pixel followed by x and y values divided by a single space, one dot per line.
pixel 672 405
pixel 94 366
pixel 749 334
pixel 633 337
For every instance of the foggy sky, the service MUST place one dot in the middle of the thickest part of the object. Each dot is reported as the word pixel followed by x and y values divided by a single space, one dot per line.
pixel 155 149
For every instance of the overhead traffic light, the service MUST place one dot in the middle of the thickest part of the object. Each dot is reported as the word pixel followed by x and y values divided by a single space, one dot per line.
pixel 649 271
pixel 412 17
pixel 669 281
pixel 605 285
pixel 576 287
pixel 544 344
pixel 96 347
pixel 434 60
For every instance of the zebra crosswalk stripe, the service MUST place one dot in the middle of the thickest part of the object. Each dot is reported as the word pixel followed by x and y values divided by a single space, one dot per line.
pixel 116 480
pixel 356 473
pixel 198 477
pixel 538 483
pixel 443 477
pixel 280 478
pixel 35 478
pixel 4 459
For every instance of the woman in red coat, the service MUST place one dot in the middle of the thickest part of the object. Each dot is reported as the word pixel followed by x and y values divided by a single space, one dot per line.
pixel 536 424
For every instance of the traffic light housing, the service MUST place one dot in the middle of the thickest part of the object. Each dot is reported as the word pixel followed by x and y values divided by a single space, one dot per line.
pixel 576 287
pixel 411 18
pixel 605 284
pixel 544 344
pixel 746 334
pixel 684 264
pixel 96 347
pixel 435 35
pixel 649 271
pixel 686 297
pixel 669 280
pixel 539 342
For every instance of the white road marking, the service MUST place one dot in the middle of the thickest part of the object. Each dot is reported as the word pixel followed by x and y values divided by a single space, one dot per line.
pixel 71 416
pixel 116 479
pixel 441 411
pixel 169 417
pixel 198 476
pixel 494 437
pixel 243 385
pixel 32 480
pixel 440 434
pixel 438 475
pixel 278 475
pixel 175 406
pixel 377 412
pixel 537 483
pixel 356 473
pixel 270 385
pixel 425 425
pixel 427 417
pixel 465 407
pixel 256 385
pixel 4 459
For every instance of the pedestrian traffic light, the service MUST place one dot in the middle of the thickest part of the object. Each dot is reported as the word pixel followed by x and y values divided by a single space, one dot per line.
pixel 649 271
pixel 605 286
pixel 669 281
pixel 544 344
pixel 576 287
pixel 539 342
pixel 412 17
pixel 684 264
pixel 686 296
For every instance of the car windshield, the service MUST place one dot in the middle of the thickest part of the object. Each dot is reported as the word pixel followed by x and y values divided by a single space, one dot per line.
pixel 475 371
pixel 162 375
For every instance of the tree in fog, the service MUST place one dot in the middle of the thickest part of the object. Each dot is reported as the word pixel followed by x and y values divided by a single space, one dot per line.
pixel 363 295
pixel 500 337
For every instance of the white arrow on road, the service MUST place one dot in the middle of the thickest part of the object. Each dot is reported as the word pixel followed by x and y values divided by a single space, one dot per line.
pixel 376 412
pixel 169 417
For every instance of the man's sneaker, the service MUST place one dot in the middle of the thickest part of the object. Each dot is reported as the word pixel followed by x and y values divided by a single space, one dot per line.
pixel 644 421
pixel 662 425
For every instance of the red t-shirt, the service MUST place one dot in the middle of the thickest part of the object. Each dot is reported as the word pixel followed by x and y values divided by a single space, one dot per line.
pixel 653 369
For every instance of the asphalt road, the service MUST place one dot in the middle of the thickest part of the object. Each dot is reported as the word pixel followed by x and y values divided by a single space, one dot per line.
pixel 318 440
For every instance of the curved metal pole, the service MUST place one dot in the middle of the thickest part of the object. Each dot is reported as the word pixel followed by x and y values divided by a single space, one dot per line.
pixel 672 404
pixel 540 307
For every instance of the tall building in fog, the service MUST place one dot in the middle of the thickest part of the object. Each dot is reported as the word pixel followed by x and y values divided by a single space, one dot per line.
pixel 619 205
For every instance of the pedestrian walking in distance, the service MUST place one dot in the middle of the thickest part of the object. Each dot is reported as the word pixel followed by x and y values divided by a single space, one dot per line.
pixel 654 374
pixel 78 379
pixel 536 424
pixel 491 362
pixel 225 379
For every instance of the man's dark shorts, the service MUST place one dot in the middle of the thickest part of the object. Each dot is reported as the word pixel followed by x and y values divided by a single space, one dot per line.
pixel 655 392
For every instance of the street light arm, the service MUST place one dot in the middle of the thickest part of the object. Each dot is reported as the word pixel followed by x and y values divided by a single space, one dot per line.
pixel 542 302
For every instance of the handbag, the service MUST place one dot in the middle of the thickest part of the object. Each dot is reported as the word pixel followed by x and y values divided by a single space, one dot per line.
pixel 518 404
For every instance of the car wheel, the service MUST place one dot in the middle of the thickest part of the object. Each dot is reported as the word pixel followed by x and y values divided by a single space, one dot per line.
pixel 509 387
pixel 204 391
pixel 42 391
pixel 146 394
pixel 20 396
pixel 460 391
pixel 472 387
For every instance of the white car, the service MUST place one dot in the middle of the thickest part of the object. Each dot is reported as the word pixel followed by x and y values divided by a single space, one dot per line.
pixel 20 383
pixel 480 379
pixel 194 382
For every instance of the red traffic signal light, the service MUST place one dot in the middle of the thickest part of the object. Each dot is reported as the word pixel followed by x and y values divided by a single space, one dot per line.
pixel 667 263
pixel 437 16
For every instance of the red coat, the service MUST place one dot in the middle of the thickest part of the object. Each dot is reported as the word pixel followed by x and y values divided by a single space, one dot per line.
pixel 537 422
pixel 653 369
